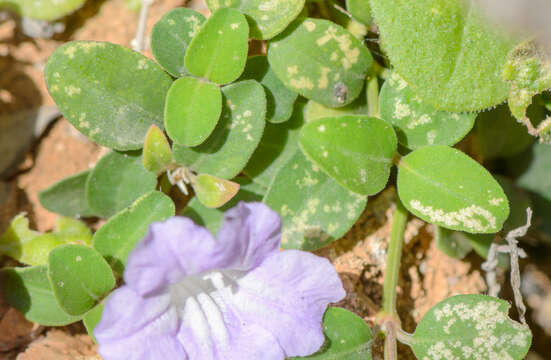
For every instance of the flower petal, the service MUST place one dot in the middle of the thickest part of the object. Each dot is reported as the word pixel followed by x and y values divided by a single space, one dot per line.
pixel 250 233
pixel 287 295
pixel 170 251
pixel 137 328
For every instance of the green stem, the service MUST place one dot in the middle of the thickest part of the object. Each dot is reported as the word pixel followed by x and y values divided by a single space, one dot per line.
pixel 373 96
pixel 392 270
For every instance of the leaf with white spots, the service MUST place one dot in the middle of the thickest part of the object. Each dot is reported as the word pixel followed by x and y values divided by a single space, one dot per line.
pixel 417 123
pixel 192 110
pixel 470 327
pixel 115 239
pixel 321 61
pixel 79 277
pixel 316 110
pixel 315 210
pixel 348 337
pixel 218 52
pixel 213 192
pixel 279 99
pixel 228 149
pixel 171 36
pixel 355 150
pixel 212 218
pixel 267 18
pixel 108 92
pixel 28 290
pixel 443 186
pixel 446 50
pixel 116 181
pixel 278 144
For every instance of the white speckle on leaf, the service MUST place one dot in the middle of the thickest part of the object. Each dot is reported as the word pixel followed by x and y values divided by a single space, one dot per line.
pixel 401 110
pixel 234 26
pixel 72 90
pixel 423 119
pixel 78 258
pixel 302 83
pixel 323 81
pixel 70 51
pixel 496 201
pixel 309 25
pixel 431 135
pixel 321 128
pixel 292 70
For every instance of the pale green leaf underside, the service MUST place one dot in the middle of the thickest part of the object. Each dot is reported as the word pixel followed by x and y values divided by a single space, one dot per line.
pixel 48 10
pixel 267 18
pixel 108 92
pixel 470 327
pixel 445 50
pixel 321 61
pixel 417 123
pixel 314 208
pixel 442 185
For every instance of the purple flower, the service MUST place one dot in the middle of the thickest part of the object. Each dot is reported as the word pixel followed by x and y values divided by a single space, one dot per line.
pixel 188 296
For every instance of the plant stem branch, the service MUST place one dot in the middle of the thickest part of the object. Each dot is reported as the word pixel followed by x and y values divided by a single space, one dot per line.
pixel 373 96
pixel 392 270
pixel 391 348
pixel 138 44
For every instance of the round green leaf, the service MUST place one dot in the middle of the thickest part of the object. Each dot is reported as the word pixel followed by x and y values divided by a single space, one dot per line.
pixel 536 176
pixel 315 210
pixel 79 277
pixel 120 234
pixel 171 36
pixel 218 51
pixel 360 10
pixel 356 151
pixel 228 149
pixel 212 191
pixel 108 92
pixel 193 107
pixel 470 327
pixel 212 218
pixel 443 186
pixel 416 123
pixel 117 180
pixel 348 337
pixel 278 144
pixel 445 50
pixel 68 196
pixel 267 18
pixel 49 10
pixel 321 61
pixel 157 155
pixel 28 290
pixel 279 99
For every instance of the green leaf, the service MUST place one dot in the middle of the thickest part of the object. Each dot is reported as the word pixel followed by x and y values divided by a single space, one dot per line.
pixel 117 180
pixel 321 61
pixel 193 107
pixel 446 50
pixel 228 149
pixel 348 337
pixel 316 110
pixel 453 243
pixel 28 290
pixel 267 18
pixel 157 155
pixel 32 247
pixel 67 197
pixel 279 99
pixel 218 51
pixel 171 36
pixel 500 135
pixel 120 234
pixel 278 144
pixel 528 71
pixel 443 186
pixel 212 191
pixel 356 151
pixel 79 277
pixel 416 123
pixel 469 327
pixel 212 218
pixel 92 318
pixel 108 92
pixel 360 10
pixel 49 10
pixel 536 175
pixel 315 210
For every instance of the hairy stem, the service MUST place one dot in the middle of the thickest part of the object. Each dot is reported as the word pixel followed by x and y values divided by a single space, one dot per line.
pixel 373 96
pixel 394 254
